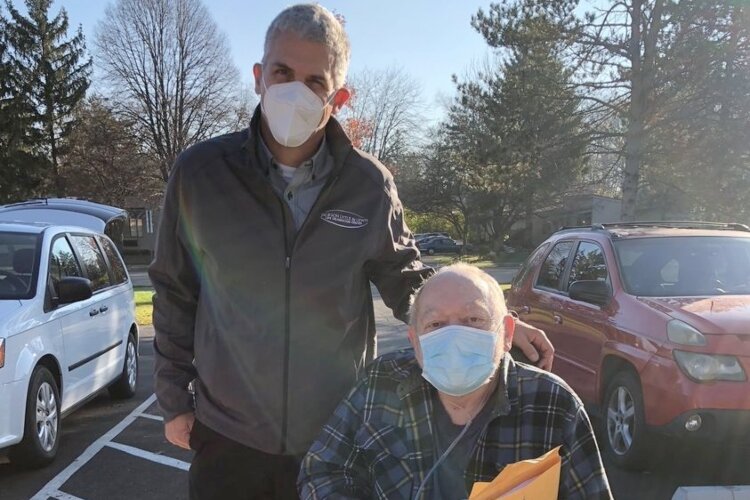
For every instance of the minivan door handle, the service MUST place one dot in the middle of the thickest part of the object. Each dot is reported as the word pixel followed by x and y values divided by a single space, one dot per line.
pixel 103 309
pixel 93 312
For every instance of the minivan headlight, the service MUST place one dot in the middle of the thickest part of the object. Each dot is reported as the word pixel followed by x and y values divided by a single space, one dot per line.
pixel 706 367
pixel 681 333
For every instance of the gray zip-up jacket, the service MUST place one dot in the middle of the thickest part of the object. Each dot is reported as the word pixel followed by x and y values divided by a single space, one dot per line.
pixel 275 324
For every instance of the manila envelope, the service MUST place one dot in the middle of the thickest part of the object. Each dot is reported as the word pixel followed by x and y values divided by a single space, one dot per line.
pixel 537 479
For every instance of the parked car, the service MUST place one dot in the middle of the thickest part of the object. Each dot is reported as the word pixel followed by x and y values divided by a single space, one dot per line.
pixel 438 244
pixel 424 236
pixel 651 327
pixel 67 331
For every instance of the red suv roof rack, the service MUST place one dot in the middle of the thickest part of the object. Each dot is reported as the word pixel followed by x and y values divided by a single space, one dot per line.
pixel 727 226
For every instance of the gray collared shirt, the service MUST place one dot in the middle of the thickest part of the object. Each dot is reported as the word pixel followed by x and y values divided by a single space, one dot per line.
pixel 304 188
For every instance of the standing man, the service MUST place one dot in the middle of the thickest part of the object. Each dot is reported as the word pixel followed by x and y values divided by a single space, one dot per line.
pixel 268 243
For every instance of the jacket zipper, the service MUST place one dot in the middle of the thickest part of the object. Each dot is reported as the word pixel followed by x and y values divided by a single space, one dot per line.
pixel 288 299
pixel 287 303
pixel 287 332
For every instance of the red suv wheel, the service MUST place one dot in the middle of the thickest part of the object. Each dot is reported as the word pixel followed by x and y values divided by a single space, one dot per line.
pixel 623 422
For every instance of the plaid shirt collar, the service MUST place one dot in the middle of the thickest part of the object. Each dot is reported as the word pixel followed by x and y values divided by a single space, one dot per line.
pixel 414 385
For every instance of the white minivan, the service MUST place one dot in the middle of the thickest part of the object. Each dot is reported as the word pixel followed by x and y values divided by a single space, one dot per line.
pixel 67 331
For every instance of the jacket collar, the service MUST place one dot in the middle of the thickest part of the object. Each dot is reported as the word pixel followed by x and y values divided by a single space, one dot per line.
pixel 337 142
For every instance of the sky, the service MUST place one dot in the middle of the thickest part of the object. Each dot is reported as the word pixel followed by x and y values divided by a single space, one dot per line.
pixel 430 39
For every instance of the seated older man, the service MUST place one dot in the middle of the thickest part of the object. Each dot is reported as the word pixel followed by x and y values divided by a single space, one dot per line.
pixel 429 422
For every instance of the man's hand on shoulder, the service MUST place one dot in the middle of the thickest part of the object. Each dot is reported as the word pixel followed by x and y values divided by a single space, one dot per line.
pixel 177 430
pixel 534 343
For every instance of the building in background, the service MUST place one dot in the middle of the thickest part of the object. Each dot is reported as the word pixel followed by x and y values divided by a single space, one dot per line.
pixel 574 210
pixel 139 235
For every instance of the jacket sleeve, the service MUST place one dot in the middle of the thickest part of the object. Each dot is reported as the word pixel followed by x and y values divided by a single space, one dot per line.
pixel 582 471
pixel 177 286
pixel 334 466
pixel 397 270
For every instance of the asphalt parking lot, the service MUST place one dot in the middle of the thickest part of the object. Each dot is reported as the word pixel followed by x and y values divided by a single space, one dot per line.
pixel 132 460
pixel 116 450
pixel 109 450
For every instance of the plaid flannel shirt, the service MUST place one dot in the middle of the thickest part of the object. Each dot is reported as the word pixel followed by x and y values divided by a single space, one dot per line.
pixel 379 442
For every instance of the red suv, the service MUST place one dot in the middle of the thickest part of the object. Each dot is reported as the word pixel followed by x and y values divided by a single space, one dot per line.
pixel 651 326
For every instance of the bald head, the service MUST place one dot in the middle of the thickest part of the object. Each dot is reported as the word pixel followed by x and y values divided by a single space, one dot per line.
pixel 456 283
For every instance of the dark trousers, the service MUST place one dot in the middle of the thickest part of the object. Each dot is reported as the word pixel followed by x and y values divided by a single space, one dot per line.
pixel 224 469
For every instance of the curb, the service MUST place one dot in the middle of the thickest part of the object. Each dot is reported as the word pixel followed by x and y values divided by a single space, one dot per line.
pixel 146 332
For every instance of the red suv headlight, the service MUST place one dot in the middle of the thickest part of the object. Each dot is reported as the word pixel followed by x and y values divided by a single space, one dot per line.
pixel 707 367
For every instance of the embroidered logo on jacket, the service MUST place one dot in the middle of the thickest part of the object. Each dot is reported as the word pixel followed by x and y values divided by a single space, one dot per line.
pixel 344 219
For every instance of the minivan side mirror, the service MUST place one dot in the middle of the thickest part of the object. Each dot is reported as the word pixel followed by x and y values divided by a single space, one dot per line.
pixel 591 291
pixel 73 289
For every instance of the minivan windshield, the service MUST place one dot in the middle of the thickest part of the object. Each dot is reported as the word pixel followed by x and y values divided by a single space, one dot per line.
pixel 19 253
pixel 683 266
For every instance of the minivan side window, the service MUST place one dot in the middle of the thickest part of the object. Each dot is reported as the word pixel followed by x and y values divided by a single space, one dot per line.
pixel 553 266
pixel 92 260
pixel 62 261
pixel 118 268
pixel 588 263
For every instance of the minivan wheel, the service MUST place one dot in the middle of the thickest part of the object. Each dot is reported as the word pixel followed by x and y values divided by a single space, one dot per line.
pixel 41 431
pixel 626 439
pixel 124 387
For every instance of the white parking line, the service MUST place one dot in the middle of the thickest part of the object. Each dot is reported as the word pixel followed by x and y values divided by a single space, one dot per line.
pixel 154 457
pixel 59 495
pixel 712 493
pixel 152 417
pixel 52 488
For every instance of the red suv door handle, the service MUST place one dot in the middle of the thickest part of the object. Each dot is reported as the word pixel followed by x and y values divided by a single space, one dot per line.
pixel 557 319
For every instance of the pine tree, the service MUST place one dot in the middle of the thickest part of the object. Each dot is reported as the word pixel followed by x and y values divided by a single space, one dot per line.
pixel 701 155
pixel 21 164
pixel 53 73
pixel 518 125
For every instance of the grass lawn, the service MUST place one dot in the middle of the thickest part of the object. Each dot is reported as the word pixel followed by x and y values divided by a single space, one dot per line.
pixel 143 307
pixel 507 259
pixel 513 259
pixel 445 260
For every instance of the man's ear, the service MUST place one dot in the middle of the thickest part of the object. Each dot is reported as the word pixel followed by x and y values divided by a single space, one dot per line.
pixel 258 76
pixel 340 98
pixel 509 327
pixel 412 334
pixel 414 341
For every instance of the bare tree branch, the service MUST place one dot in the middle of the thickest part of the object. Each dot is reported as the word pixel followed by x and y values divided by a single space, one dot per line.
pixel 170 71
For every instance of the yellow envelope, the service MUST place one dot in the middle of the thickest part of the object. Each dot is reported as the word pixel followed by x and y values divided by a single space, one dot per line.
pixel 537 479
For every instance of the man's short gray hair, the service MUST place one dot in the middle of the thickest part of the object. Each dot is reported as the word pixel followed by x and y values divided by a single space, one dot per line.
pixel 494 294
pixel 314 23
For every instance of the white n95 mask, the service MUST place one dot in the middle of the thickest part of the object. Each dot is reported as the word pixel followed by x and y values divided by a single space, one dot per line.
pixel 458 359
pixel 293 112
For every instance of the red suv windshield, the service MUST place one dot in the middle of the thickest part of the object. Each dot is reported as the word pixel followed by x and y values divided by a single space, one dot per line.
pixel 685 266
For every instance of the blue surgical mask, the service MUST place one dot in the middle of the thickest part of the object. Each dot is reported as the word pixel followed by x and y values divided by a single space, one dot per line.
pixel 458 359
